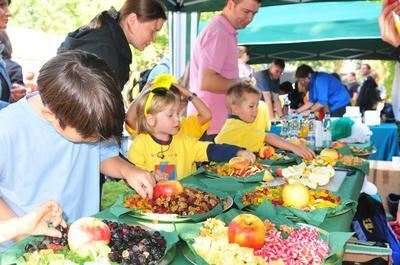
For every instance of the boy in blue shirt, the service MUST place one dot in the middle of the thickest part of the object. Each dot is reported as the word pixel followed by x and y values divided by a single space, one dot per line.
pixel 325 90
pixel 54 143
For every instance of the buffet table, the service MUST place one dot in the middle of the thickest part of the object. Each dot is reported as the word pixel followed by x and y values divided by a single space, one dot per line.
pixel 349 189
pixel 385 138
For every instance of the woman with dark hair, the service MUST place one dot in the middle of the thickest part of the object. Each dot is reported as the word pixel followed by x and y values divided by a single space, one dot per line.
pixel 110 33
pixel 14 69
pixel 8 93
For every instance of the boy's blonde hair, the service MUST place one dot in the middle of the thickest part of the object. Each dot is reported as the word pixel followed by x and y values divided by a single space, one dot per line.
pixel 158 104
pixel 238 91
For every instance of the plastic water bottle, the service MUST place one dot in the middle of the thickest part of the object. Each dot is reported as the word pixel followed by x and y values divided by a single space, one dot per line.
pixel 327 124
pixel 311 131
pixel 295 126
pixel 285 128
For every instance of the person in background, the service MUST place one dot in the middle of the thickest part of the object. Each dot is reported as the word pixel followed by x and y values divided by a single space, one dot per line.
pixel 387 25
pixel 381 86
pixel 110 33
pixel 14 69
pixel 295 98
pixel 159 145
pixel 268 81
pixel 390 34
pixel 324 89
pixel 214 62
pixel 163 67
pixel 352 86
pixel 74 121
pixel 242 100
pixel 245 70
pixel 8 93
pixel 36 222
pixel 368 93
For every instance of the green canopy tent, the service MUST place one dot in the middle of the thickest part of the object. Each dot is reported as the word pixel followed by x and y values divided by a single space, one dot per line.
pixel 215 5
pixel 183 25
pixel 316 31
pixel 275 30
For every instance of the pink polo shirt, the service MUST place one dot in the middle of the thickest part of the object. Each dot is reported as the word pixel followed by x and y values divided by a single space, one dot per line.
pixel 215 49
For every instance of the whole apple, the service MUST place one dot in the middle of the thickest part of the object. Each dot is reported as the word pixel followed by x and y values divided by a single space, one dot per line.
pixel 167 187
pixel 247 230
pixel 86 233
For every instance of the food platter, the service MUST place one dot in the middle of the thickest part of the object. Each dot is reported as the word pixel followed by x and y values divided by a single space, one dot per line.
pixel 363 152
pixel 251 173
pixel 277 249
pixel 334 184
pixel 279 158
pixel 160 246
pixel 173 218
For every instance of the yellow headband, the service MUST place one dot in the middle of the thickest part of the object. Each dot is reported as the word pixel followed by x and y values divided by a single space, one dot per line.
pixel 162 81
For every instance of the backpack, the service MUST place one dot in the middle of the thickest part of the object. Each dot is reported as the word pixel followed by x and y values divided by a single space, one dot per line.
pixel 370 224
pixel 143 78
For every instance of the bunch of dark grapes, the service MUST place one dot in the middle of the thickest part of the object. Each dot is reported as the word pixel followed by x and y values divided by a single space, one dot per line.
pixel 134 245
pixel 54 243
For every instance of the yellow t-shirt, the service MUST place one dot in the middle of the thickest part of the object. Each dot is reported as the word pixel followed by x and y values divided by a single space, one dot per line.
pixel 262 121
pixel 176 159
pixel 190 125
pixel 240 133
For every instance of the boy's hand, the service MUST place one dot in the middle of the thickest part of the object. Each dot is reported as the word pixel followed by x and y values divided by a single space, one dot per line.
pixel 36 221
pixel 247 154
pixel 303 152
pixel 141 181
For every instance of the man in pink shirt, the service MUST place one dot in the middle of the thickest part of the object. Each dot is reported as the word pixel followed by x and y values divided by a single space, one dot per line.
pixel 214 63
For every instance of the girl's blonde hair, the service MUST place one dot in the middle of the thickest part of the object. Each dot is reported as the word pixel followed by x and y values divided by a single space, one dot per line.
pixel 158 104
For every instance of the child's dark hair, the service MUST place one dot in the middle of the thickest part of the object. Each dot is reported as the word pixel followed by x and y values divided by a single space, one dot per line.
pixel 237 92
pixel 82 92
pixel 285 87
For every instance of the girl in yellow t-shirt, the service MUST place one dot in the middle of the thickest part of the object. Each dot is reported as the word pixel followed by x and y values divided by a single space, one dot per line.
pixel 160 147
pixel 194 125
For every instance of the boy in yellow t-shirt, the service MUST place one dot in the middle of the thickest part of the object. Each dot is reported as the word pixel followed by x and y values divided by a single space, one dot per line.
pixel 242 101
pixel 194 125
pixel 159 146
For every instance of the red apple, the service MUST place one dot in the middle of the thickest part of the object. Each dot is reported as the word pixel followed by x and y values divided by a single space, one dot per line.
pixel 278 172
pixel 247 230
pixel 86 234
pixel 266 152
pixel 167 187
pixel 239 163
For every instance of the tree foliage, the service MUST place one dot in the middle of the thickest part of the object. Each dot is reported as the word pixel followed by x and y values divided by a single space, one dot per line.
pixel 61 17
